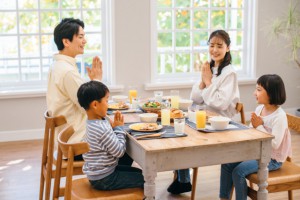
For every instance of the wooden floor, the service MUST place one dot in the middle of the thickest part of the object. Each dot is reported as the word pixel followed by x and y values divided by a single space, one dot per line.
pixel 20 171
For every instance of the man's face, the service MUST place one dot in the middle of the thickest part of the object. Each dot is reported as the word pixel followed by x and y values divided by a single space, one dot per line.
pixel 76 47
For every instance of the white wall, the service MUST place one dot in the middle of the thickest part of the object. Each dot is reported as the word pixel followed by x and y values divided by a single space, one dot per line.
pixel 22 116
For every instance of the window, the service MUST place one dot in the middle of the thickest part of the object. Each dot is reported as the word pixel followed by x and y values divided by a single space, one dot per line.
pixel 26 37
pixel 181 29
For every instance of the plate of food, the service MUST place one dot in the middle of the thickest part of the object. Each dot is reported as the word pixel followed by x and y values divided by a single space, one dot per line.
pixel 151 106
pixel 118 106
pixel 145 127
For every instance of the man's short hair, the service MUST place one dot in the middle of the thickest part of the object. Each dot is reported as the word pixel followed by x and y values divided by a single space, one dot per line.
pixel 67 28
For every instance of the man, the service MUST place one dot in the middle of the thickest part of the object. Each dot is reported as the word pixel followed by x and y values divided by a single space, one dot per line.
pixel 64 78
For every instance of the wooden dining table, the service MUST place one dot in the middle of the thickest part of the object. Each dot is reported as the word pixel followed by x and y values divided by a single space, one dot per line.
pixel 199 149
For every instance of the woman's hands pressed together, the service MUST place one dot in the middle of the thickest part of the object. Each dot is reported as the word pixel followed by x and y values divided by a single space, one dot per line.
pixel 206 75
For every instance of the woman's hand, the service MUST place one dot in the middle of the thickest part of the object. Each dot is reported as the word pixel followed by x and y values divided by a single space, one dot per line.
pixel 206 74
pixel 96 71
pixel 256 120
pixel 118 119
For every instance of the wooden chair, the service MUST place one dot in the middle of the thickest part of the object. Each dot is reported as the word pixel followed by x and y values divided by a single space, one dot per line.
pixel 48 158
pixel 81 188
pixel 240 109
pixel 287 178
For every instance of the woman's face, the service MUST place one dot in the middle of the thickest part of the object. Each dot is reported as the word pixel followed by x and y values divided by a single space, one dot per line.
pixel 261 95
pixel 217 50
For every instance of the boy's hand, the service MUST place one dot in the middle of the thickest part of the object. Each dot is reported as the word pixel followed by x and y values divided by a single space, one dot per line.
pixel 118 119
pixel 256 120
pixel 96 71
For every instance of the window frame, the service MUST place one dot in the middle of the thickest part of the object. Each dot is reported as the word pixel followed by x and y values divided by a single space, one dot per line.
pixel 29 88
pixel 185 80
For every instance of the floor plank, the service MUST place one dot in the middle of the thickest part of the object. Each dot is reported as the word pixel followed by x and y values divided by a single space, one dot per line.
pixel 20 174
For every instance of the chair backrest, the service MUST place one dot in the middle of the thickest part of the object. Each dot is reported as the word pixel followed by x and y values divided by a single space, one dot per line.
pixel 69 150
pixel 240 108
pixel 294 122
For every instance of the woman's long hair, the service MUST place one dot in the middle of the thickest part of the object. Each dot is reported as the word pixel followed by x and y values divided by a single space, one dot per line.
pixel 223 35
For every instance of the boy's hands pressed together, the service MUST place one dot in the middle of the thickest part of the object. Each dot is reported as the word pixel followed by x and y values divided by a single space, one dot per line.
pixel 256 120
pixel 118 119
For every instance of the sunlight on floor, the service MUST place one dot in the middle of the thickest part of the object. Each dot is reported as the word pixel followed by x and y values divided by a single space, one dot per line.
pixel 13 162
pixel 28 167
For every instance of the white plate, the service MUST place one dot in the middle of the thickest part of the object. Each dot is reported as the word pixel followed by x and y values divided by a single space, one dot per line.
pixel 137 127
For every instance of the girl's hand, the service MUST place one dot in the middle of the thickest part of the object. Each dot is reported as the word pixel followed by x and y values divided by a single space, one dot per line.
pixel 206 74
pixel 96 71
pixel 256 120
pixel 118 119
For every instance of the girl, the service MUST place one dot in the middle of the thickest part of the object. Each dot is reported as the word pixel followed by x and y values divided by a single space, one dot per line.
pixel 269 117
pixel 218 90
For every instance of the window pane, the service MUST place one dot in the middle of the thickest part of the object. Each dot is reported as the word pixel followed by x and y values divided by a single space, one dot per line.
pixel 164 63
pixel 93 44
pixel 164 20
pixel 236 59
pixel 91 3
pixel 183 39
pixel 9 47
pixel 236 3
pixel 182 3
pixel 29 46
pixel 29 22
pixel 46 4
pixel 72 13
pixel 164 3
pixel 200 19
pixel 9 71
pixel 236 38
pixel 235 19
pixel 200 39
pixel 164 40
pixel 200 3
pixel 7 5
pixel 182 62
pixel 182 19
pixel 218 19
pixel 48 45
pixel 92 21
pixel 70 3
pixel 48 21
pixel 199 59
pixel 27 4
pixel 47 62
pixel 30 69
pixel 218 3
pixel 8 22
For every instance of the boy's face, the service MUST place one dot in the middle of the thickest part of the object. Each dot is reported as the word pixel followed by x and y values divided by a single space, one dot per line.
pixel 102 106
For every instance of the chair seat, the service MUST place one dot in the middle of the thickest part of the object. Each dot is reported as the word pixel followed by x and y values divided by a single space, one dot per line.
pixel 289 172
pixel 82 189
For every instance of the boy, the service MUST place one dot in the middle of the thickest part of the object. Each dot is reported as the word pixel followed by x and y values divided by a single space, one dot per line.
pixel 106 165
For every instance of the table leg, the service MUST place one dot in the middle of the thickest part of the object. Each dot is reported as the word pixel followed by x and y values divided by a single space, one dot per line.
pixel 149 186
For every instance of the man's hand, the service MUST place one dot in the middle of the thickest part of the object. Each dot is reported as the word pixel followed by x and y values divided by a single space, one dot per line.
pixel 256 120
pixel 206 74
pixel 118 119
pixel 96 71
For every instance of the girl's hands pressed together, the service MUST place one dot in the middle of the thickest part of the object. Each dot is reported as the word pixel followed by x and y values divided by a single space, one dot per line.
pixel 206 74
pixel 118 119
pixel 256 120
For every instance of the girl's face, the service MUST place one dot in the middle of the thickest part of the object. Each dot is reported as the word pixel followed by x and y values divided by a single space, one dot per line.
pixel 261 95
pixel 217 49
pixel 102 106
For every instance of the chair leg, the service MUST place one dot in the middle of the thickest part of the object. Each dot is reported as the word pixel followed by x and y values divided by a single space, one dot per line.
pixel 231 193
pixel 194 183
pixel 290 192
pixel 175 175
pixel 42 182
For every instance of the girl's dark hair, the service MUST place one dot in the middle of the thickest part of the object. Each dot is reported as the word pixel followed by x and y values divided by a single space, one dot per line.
pixel 227 59
pixel 91 91
pixel 274 86
pixel 67 28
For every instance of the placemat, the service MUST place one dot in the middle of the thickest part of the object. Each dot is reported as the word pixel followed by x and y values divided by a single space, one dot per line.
pixel 231 127
pixel 111 112
pixel 166 132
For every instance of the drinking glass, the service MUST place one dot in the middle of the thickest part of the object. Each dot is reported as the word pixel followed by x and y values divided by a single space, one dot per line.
pixel 200 119
pixel 165 117
pixel 179 124
pixel 175 99
pixel 132 93
pixel 158 95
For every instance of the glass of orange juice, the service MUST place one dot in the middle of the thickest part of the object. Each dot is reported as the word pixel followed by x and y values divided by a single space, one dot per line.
pixel 132 93
pixel 200 119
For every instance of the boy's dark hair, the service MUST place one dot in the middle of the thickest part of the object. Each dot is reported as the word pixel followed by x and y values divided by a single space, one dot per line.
pixel 91 91
pixel 274 86
pixel 67 28
pixel 227 59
